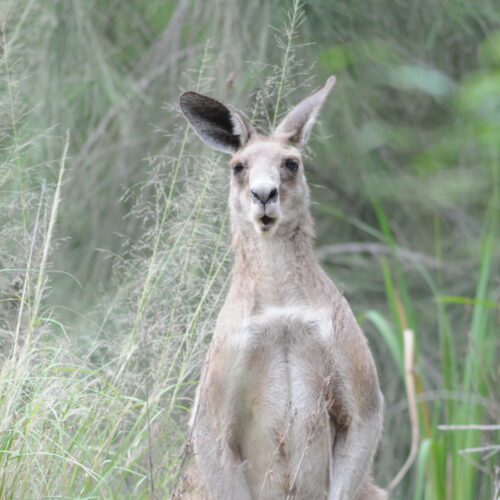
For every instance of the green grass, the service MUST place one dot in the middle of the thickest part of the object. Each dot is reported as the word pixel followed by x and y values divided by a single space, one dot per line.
pixel 442 472
pixel 114 245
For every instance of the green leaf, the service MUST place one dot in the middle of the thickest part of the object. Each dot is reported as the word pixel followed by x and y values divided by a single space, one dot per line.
pixel 389 336
pixel 422 460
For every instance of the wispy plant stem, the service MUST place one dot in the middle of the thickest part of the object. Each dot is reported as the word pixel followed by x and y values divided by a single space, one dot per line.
pixel 48 235
pixel 290 33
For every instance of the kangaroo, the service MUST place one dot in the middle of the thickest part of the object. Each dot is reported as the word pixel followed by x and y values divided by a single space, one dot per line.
pixel 288 404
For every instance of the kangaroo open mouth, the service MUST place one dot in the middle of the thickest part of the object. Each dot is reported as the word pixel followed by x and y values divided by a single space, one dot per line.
pixel 267 222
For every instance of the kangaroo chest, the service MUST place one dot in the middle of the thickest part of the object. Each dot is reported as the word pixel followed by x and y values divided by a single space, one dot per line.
pixel 283 372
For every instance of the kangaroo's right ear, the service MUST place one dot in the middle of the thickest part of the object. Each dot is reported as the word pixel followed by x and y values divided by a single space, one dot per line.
pixel 221 128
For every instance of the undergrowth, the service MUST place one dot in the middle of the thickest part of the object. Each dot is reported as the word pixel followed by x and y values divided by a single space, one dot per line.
pixel 114 247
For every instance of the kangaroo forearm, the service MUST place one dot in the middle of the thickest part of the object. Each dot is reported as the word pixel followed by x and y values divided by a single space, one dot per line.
pixel 352 456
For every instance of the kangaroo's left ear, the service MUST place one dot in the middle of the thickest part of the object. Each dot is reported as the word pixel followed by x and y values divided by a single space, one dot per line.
pixel 297 124
pixel 221 127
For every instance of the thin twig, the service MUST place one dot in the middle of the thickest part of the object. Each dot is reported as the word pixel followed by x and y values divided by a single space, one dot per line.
pixel 377 249
pixel 469 427
pixel 50 229
pixel 442 395
pixel 412 405
pixel 319 414
pixel 147 383
pixel 276 450
pixel 480 449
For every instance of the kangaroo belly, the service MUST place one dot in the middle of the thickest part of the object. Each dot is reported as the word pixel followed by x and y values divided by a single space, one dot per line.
pixel 283 391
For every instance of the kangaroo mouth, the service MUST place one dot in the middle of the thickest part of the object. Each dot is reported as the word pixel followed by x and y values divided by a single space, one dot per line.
pixel 267 222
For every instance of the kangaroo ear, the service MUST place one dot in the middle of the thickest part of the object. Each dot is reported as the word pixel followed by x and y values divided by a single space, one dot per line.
pixel 220 127
pixel 297 124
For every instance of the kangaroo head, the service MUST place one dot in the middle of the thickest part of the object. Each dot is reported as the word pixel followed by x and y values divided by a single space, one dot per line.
pixel 268 186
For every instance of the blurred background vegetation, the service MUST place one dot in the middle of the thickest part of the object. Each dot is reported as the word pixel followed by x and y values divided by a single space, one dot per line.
pixel 114 248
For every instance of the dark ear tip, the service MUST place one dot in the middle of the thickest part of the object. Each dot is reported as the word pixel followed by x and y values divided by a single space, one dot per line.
pixel 188 93
pixel 187 96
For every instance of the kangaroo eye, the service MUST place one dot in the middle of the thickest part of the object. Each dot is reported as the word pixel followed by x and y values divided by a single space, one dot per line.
pixel 291 165
pixel 238 168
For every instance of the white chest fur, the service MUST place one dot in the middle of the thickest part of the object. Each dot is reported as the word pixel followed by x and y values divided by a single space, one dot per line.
pixel 283 364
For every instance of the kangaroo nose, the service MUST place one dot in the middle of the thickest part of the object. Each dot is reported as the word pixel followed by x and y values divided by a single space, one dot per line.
pixel 264 194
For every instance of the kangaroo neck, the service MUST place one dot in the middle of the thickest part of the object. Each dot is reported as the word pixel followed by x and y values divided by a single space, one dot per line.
pixel 278 271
